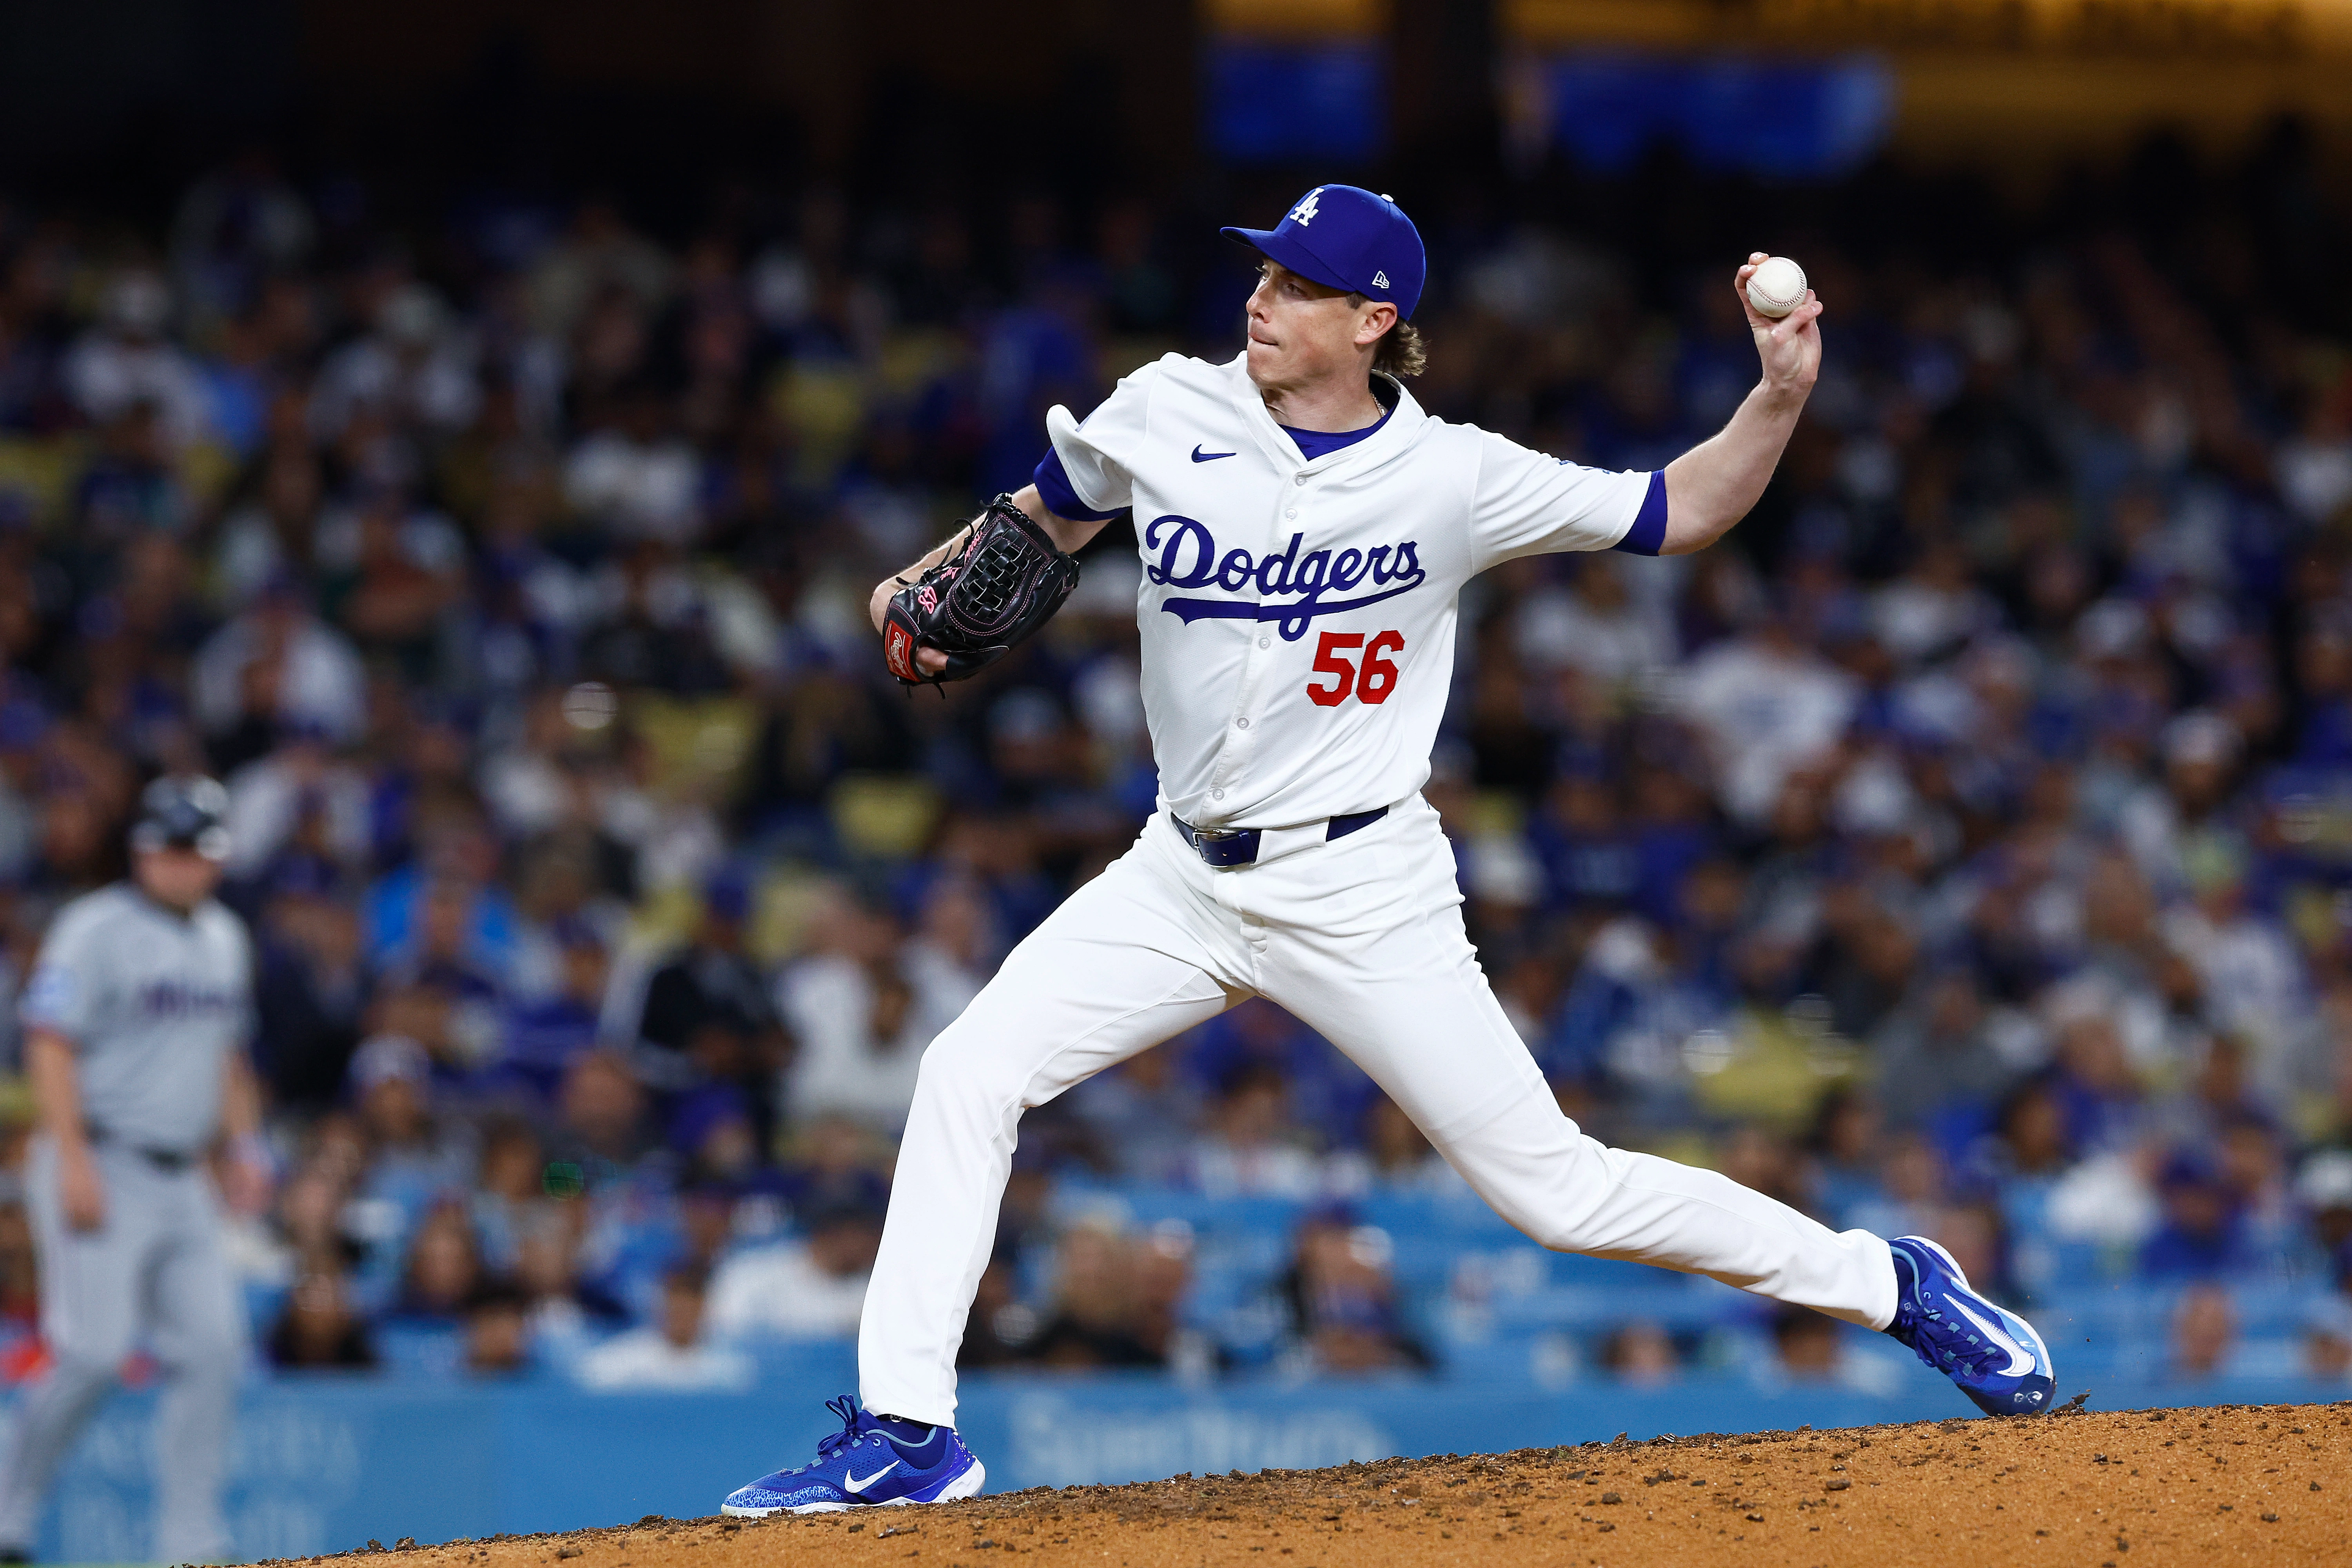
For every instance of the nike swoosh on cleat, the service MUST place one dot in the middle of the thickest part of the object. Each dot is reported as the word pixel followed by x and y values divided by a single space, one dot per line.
pixel 1200 457
pixel 850 1483
pixel 2021 1361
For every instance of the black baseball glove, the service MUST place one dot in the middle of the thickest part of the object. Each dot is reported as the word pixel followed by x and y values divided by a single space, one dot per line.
pixel 1004 581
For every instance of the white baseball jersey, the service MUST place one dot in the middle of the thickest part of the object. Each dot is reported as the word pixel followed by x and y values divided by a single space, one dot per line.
pixel 1298 615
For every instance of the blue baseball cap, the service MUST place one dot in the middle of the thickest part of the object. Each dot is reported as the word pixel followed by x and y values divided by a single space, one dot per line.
pixel 1344 236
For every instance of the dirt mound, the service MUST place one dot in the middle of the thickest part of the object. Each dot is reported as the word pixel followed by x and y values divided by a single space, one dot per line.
pixel 2231 1484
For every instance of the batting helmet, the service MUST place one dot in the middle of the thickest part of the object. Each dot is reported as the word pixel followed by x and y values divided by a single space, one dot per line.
pixel 184 813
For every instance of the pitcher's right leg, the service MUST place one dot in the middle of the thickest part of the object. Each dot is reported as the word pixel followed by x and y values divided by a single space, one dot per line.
pixel 1573 1193
pixel 1372 953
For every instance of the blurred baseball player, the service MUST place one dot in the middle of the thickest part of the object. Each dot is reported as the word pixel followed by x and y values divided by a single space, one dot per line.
pixel 1305 530
pixel 136 1019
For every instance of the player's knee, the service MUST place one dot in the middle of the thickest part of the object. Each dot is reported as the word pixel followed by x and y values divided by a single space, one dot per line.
pixel 1554 1233
pixel 964 1064
pixel 1570 1220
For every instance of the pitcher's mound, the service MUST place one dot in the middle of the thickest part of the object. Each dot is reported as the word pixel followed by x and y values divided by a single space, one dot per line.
pixel 2234 1484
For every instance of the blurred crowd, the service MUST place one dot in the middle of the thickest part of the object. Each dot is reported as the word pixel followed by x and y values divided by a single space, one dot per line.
pixel 1965 848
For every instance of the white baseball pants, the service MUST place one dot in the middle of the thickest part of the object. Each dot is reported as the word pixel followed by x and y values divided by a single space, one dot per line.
pixel 1362 939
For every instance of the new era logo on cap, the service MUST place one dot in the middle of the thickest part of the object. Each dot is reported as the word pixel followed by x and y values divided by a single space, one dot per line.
pixel 1345 237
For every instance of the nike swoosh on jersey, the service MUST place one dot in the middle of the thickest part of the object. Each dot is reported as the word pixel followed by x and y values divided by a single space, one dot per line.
pixel 2021 1359
pixel 850 1483
pixel 1200 457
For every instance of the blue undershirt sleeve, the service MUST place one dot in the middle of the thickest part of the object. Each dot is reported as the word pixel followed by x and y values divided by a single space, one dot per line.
pixel 1061 499
pixel 1648 534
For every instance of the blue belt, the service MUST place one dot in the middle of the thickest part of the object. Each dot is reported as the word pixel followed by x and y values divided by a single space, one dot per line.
pixel 1226 848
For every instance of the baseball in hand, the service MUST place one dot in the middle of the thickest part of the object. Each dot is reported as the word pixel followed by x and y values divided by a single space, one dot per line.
pixel 1776 287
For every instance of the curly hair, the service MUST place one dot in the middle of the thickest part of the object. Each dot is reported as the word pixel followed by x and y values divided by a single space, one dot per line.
pixel 1400 350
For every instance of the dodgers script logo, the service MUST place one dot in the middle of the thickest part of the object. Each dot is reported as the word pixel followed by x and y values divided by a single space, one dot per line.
pixel 1188 559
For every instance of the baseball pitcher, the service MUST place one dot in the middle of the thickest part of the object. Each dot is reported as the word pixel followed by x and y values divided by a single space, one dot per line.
pixel 1305 530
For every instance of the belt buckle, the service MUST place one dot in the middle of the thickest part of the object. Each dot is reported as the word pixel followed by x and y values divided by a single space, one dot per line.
pixel 1211 843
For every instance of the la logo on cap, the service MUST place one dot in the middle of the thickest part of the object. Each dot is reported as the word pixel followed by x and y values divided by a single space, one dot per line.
pixel 1304 213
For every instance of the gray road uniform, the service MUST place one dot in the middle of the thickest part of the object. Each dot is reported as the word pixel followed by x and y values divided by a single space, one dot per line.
pixel 152 1002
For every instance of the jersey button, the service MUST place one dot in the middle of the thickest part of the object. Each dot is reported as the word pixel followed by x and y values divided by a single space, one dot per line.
pixel 1266 642
pixel 1240 723
pixel 1292 512
pixel 1300 479
pixel 1216 795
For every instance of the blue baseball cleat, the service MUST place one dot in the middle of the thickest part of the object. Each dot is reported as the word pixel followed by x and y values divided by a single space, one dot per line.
pixel 865 1465
pixel 1993 1354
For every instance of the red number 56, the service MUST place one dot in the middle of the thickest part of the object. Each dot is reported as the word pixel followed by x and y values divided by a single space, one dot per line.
pixel 1377 678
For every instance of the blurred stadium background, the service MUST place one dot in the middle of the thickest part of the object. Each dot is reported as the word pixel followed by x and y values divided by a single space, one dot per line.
pixel 471 431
